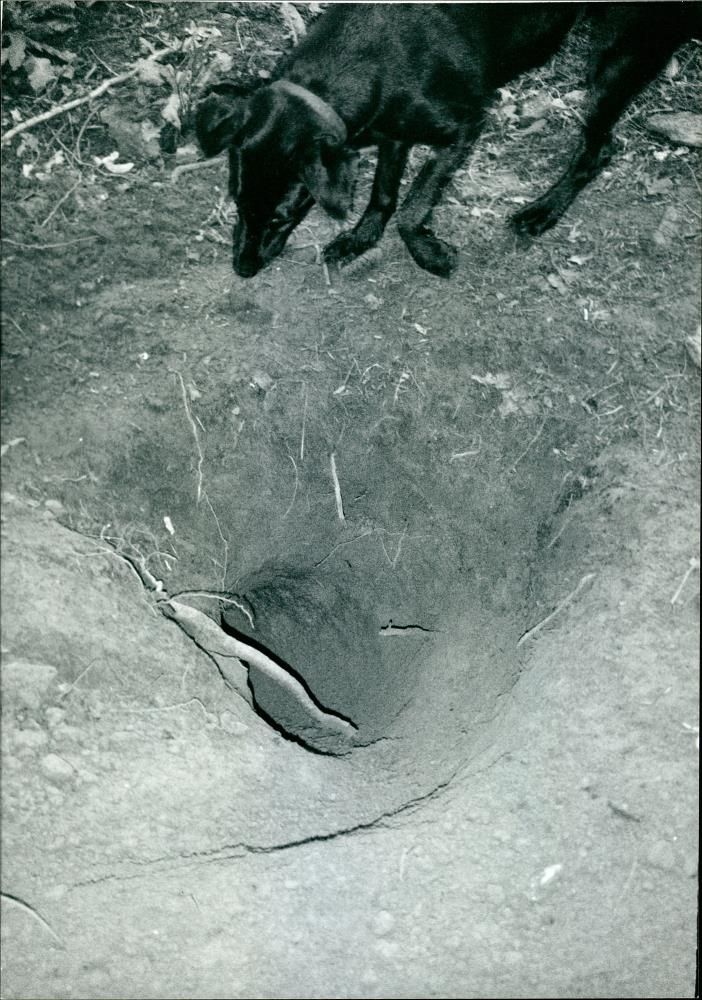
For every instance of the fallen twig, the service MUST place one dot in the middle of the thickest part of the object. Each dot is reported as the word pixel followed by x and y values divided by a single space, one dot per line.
pixel 297 483
pixel 304 421
pixel 61 109
pixel 693 565
pixel 225 543
pixel 337 489
pixel 530 445
pixel 47 246
pixel 185 168
pixel 59 203
pixel 588 578
pixel 193 427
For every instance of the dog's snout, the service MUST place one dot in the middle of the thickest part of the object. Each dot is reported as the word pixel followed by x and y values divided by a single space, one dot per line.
pixel 246 257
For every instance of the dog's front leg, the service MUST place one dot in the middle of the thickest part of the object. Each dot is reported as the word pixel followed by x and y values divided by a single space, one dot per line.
pixel 392 157
pixel 434 255
pixel 431 253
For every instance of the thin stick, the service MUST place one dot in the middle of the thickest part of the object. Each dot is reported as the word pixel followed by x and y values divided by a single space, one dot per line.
pixel 79 677
pixel 83 127
pixel 588 578
pixel 304 422
pixel 297 482
pixel 196 436
pixel 47 246
pixel 61 109
pixel 694 564
pixel 399 547
pixel 337 489
pixel 59 203
pixel 185 168
pixel 211 638
pixel 331 552
pixel 530 445
pixel 225 543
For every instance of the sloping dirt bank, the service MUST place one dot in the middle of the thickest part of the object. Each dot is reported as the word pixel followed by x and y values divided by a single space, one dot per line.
pixel 170 844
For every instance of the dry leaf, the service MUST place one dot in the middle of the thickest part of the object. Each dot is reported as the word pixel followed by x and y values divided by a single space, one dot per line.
pixel 40 73
pixel 293 21
pixel 499 381
pixel 171 110
pixel 110 164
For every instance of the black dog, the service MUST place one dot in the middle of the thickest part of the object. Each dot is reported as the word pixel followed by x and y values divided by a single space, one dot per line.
pixel 393 75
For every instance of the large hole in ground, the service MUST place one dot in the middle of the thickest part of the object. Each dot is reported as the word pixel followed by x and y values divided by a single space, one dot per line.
pixel 477 475
pixel 380 533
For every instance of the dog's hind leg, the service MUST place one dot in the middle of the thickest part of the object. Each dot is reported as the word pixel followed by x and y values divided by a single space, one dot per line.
pixel 392 158
pixel 621 69
pixel 433 254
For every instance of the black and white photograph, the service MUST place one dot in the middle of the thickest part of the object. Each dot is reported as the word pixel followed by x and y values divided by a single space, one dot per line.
pixel 350 531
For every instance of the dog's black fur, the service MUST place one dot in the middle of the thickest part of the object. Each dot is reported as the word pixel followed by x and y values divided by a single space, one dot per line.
pixel 393 75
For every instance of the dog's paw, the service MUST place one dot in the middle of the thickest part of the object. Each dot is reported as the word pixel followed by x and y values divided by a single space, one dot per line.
pixel 432 254
pixel 343 249
pixel 534 219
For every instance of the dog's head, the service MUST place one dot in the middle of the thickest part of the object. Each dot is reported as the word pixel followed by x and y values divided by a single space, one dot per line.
pixel 287 150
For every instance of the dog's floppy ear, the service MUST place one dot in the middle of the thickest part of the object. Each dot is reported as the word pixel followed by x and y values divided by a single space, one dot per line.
pixel 219 117
pixel 330 176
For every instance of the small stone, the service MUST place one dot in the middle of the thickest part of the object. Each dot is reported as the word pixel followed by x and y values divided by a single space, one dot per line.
pixel 55 506
pixel 31 738
pixel 230 724
pixel 54 716
pixel 661 855
pixel 369 978
pixel 25 683
pixel 680 127
pixel 56 769
pixel 156 404
pixel 383 923
pixel 495 893
pixel 57 891
pixel 691 866
pixel 386 949
pixel 669 228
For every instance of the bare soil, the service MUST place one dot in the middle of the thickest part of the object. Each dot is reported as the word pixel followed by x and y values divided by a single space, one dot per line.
pixel 517 815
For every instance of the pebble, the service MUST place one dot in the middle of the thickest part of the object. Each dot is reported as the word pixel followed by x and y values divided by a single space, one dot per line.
pixel 661 855
pixel 230 724
pixel 56 769
pixel 369 978
pixel 383 923
pixel 25 683
pixel 691 866
pixel 495 893
pixel 30 738
pixel 54 716
pixel 157 404
pixel 55 506
pixel 386 949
